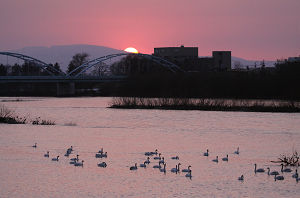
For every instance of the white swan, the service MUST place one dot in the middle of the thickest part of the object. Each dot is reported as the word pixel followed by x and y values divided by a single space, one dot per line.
pixel 225 158
pixel 187 170
pixel 273 172
pixel 189 174
pixel 286 170
pixel 143 165
pixel 47 154
pixel 35 145
pixel 216 160
pixel 103 164
pixel 133 167
pixel 79 163
pixel 206 153
pixel 260 170
pixel 241 178
pixel 278 177
pixel 237 151
pixel 175 158
pixel 55 159
pixel 296 174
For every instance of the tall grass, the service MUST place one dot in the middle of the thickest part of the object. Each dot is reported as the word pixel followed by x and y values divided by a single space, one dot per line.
pixel 205 104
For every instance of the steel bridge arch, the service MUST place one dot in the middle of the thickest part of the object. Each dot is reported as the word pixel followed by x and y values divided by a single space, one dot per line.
pixel 40 63
pixel 87 65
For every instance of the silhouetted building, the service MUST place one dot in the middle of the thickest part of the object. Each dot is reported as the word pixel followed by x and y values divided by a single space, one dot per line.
pixel 293 59
pixel 177 53
pixel 222 60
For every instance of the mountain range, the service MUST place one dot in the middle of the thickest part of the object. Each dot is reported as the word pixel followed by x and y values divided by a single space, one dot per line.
pixel 63 54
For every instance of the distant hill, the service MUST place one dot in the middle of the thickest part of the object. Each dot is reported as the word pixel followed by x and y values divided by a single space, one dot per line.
pixel 244 63
pixel 64 53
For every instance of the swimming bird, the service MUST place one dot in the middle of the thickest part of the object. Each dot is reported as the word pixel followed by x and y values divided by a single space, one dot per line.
pixel 174 170
pixel 216 160
pixel 273 172
pixel 278 177
pixel 74 161
pixel 237 151
pixel 175 158
pixel 147 161
pixel 286 170
pixel 206 153
pixel 103 164
pixel 143 165
pixel 260 170
pixel 35 145
pixel 133 167
pixel 55 159
pixel 101 155
pixel 158 158
pixel 189 174
pixel 225 158
pixel 47 154
pixel 157 166
pixel 241 178
pixel 163 169
pixel 296 174
pixel 187 170
pixel 100 151
pixel 155 152
pixel 76 158
pixel 79 163
pixel 162 161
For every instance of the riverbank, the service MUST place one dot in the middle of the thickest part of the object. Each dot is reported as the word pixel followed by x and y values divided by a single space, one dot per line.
pixel 205 104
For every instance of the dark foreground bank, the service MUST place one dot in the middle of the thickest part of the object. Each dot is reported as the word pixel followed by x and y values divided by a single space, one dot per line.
pixel 205 104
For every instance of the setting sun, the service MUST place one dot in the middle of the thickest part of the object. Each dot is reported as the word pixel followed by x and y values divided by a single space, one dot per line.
pixel 131 50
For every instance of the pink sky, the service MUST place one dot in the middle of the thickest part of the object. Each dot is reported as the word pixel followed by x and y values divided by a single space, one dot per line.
pixel 252 29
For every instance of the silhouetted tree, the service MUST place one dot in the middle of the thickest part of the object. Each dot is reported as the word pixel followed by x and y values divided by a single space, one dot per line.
pixel 16 70
pixel 77 60
pixel 3 70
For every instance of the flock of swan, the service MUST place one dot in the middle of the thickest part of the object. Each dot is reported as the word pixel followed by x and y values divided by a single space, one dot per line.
pixel 157 157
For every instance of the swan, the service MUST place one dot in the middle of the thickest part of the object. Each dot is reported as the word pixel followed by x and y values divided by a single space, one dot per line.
pixel 143 165
pixel 151 153
pixel 158 158
pixel 76 158
pixel 206 153
pixel 286 170
pixel 74 161
pixel 162 161
pixel 55 159
pixel 278 177
pixel 79 163
pixel 225 158
pixel 178 169
pixel 175 158
pixel 103 164
pixel 101 155
pixel 147 161
pixel 189 174
pixel 163 169
pixel 67 154
pixel 296 174
pixel 47 154
pixel 260 170
pixel 155 152
pixel 187 170
pixel 237 151
pixel 35 145
pixel 241 178
pixel 273 172
pixel 100 151
pixel 174 170
pixel 216 160
pixel 133 167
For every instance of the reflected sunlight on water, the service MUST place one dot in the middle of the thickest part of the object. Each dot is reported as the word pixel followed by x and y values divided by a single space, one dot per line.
pixel 127 134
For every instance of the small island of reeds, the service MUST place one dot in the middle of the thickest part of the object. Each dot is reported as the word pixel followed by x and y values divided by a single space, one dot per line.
pixel 205 104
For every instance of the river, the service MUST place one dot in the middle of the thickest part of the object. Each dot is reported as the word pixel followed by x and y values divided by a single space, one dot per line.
pixel 88 125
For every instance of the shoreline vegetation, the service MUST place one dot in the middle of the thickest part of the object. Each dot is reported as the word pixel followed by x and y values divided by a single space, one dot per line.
pixel 206 104
pixel 7 116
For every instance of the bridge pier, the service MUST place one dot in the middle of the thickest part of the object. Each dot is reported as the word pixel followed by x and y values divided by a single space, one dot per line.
pixel 65 89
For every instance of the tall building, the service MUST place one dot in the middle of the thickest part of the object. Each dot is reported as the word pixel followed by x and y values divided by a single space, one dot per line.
pixel 177 53
pixel 221 60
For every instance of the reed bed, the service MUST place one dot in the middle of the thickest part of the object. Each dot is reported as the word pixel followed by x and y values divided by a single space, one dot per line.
pixel 205 104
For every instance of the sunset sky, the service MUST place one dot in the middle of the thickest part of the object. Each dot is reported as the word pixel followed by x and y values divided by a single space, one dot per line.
pixel 252 29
